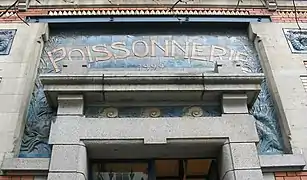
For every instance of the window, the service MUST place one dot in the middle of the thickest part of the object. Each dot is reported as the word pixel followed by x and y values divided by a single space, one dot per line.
pixel 160 169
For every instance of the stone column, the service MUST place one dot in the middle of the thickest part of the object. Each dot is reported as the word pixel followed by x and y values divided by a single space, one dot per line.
pixel 238 160
pixel 69 161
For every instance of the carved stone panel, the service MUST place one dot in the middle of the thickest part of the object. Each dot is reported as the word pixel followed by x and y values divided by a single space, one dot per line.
pixel 6 41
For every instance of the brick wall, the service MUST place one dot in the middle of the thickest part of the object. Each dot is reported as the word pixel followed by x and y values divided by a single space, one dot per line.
pixel 16 177
pixel 291 175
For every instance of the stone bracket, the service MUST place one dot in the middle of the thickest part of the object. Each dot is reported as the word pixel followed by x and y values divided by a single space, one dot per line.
pixel 69 105
pixel 23 5
pixel 234 104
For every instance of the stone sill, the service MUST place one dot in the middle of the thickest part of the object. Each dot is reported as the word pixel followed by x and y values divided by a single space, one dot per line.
pixel 269 163
pixel 25 164
pixel 285 162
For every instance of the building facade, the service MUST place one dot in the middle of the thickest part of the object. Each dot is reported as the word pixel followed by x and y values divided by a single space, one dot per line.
pixel 153 89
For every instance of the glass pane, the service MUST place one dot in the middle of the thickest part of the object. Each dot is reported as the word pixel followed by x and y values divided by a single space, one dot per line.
pixel 126 167
pixel 196 167
pixel 167 168
pixel 120 171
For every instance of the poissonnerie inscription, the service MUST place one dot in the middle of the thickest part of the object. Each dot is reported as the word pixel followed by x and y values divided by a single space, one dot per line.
pixel 138 49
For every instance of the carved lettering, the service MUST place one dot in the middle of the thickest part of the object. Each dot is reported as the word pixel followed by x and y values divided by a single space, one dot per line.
pixel 196 50
pixel 88 49
pixel 135 44
pixel 140 48
pixel 154 44
pixel 217 51
pixel 78 57
pixel 103 50
pixel 185 51
pixel 58 57
pixel 121 47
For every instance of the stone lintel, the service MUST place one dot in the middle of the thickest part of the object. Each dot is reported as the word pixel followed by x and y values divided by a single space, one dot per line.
pixel 234 104
pixel 69 105
pixel 72 129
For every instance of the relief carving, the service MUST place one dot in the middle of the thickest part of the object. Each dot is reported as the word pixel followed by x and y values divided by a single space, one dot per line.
pixel 6 40
pixel 297 40
pixel 264 112
pixel 36 134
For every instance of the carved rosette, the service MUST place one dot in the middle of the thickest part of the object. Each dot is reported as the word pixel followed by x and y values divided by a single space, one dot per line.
pixel 151 113
pixel 194 111
pixel 110 112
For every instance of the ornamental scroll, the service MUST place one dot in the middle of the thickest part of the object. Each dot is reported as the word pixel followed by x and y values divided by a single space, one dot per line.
pixel 161 52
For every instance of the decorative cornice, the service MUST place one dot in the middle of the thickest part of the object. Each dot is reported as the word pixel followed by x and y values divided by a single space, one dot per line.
pixel 145 11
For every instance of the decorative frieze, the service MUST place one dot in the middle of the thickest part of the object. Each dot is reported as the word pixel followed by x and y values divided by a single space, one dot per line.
pixel 152 112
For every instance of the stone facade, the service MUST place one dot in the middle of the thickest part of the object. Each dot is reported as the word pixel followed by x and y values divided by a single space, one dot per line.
pixel 44 117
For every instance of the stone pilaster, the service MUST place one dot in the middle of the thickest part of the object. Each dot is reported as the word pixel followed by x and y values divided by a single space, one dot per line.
pixel 69 161
pixel 239 161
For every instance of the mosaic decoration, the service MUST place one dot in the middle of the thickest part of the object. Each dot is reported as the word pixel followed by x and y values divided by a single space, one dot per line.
pixel 137 52
pixel 152 112
pixel 36 134
pixel 266 117
pixel 161 52
pixel 6 41
pixel 297 40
